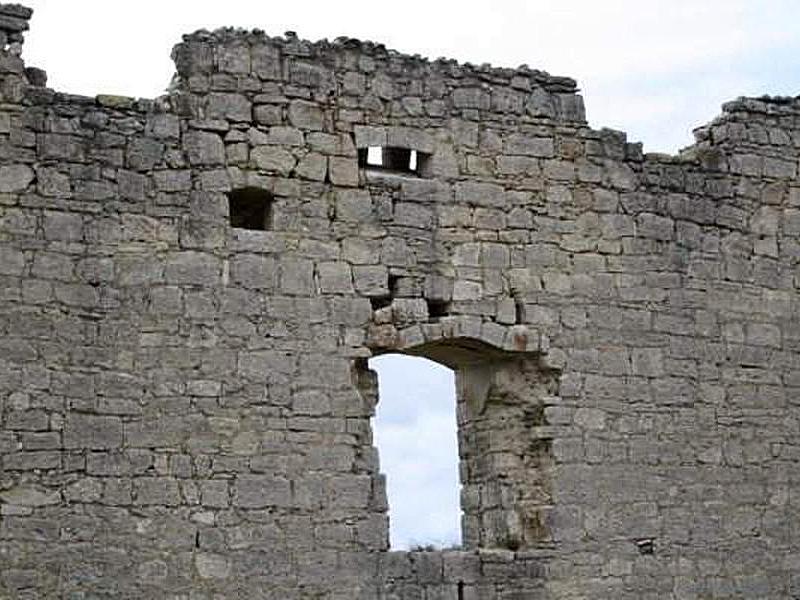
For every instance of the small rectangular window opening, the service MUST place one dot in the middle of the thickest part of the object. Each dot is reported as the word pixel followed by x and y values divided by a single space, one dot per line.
pixel 398 160
pixel 250 208
pixel 438 308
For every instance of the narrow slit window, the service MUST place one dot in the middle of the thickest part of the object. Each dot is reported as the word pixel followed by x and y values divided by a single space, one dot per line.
pixel 250 208
pixel 388 158
pixel 416 435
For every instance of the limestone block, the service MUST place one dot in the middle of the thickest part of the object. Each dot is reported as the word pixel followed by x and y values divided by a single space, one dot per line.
pixel 343 171
pixel 268 114
pixel 370 136
pixel 284 136
pixel 520 143
pixel 541 104
pixel 30 497
pixel 215 493
pixel 471 98
pixel 412 214
pixel 297 276
pixel 407 137
pixel 234 107
pixel 360 252
pixel 371 280
pixel 191 267
pixel 479 194
pixel 273 159
pixel 266 61
pixel 163 126
pixel 590 418
pixel 204 148
pixel 92 431
pixel 212 566
pixel 162 491
pixel 174 180
pixel 313 166
pixel 252 271
pixel 306 115
pixel 12 262
pixel 261 492
pixel 335 278
pixel 15 178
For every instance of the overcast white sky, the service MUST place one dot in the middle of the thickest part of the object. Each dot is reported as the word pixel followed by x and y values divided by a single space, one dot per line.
pixel 653 68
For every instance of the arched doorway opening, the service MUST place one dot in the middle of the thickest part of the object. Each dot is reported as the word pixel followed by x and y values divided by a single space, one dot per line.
pixel 416 435
pixel 504 441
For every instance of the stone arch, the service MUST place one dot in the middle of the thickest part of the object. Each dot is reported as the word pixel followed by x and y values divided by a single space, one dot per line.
pixel 505 381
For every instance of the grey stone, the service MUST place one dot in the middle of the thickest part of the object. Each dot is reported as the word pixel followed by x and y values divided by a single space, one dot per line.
pixel 370 136
pixel 306 115
pixel 261 492
pixel 343 171
pixel 335 278
pixel 204 148
pixel 371 280
pixel 268 114
pixel 471 98
pixel 30 497
pixel 253 271
pixel 191 268
pixel 142 154
pixel 312 166
pixel 273 159
pixel 235 107
pixel 518 143
pixel 12 262
pixel 212 566
pixel 185 406
pixel 91 431
pixel 284 136
pixel 15 178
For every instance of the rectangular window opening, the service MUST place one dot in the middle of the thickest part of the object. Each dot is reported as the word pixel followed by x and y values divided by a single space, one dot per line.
pixel 250 208
pixel 416 433
pixel 438 308
pixel 388 158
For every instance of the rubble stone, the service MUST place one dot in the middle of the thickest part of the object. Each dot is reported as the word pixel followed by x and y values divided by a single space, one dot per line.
pixel 190 289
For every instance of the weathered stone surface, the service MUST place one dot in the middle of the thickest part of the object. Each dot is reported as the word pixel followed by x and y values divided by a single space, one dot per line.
pixel 343 171
pixel 91 431
pixel 313 166
pixel 234 107
pixel 15 178
pixel 185 404
pixel 204 148
pixel 306 115
pixel 30 497
pixel 212 566
pixel 273 159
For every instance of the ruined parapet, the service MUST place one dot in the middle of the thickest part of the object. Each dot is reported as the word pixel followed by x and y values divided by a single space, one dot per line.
pixel 346 67
pixel 13 22
pixel 191 287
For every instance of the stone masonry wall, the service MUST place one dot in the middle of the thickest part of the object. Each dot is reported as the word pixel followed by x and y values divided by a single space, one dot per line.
pixel 191 286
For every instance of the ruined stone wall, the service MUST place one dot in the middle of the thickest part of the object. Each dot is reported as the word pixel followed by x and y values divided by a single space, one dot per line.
pixel 185 402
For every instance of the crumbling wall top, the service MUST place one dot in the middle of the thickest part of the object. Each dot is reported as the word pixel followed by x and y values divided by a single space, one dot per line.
pixel 13 21
pixel 522 77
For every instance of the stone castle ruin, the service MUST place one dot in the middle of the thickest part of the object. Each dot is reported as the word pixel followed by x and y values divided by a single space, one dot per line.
pixel 191 287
